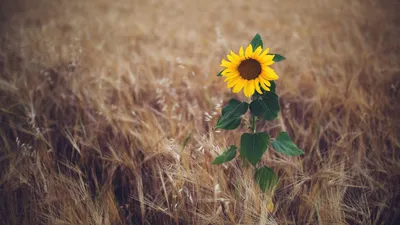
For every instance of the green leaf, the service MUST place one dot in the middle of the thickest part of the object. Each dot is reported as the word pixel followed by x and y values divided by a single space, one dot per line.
pixel 266 105
pixel 220 73
pixel 258 107
pixel 253 146
pixel 273 86
pixel 266 178
pixel 231 114
pixel 226 156
pixel 277 57
pixel 285 145
pixel 257 41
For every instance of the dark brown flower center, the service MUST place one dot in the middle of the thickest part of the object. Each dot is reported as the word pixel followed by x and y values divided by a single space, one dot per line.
pixel 249 69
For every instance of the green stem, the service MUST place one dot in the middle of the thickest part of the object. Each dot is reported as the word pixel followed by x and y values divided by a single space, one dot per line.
pixel 254 125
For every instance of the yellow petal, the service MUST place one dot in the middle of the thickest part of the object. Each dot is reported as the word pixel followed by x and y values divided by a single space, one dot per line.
pixel 264 86
pixel 229 70
pixel 233 82
pixel 233 59
pixel 238 87
pixel 249 88
pixel 269 74
pixel 241 52
pixel 231 74
pixel 231 77
pixel 265 81
pixel 238 57
pixel 257 86
pixel 225 72
pixel 265 76
pixel 265 52
pixel 270 57
pixel 257 51
pixel 234 55
pixel 266 58
pixel 267 63
pixel 249 51
pixel 225 63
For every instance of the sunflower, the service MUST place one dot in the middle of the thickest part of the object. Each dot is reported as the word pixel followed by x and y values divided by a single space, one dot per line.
pixel 249 70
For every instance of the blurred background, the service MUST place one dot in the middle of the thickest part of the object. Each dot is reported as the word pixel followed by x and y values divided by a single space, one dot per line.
pixel 97 98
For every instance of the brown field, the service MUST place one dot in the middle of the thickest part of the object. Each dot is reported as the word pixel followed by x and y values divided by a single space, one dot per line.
pixel 97 98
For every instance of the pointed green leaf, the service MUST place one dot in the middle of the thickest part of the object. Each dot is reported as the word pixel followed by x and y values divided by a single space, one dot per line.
pixel 226 156
pixel 277 57
pixel 253 146
pixel 266 178
pixel 285 145
pixel 231 114
pixel 257 41
pixel 220 73
pixel 266 105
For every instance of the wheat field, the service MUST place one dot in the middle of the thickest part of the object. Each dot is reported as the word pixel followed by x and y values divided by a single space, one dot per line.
pixel 108 112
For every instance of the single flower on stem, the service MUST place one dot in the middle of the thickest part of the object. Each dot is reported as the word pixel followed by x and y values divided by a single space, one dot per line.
pixel 249 70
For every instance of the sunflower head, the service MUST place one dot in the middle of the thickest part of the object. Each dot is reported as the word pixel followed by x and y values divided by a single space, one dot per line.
pixel 249 70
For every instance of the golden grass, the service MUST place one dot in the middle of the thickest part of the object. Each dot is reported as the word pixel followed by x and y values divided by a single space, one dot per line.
pixel 97 98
